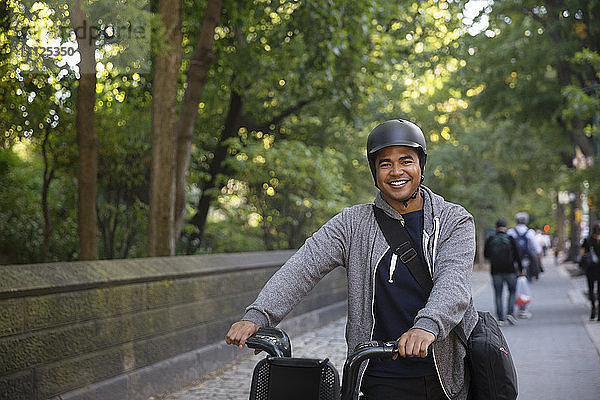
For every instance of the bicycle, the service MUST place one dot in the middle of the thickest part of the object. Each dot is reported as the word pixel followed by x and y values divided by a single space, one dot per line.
pixel 280 376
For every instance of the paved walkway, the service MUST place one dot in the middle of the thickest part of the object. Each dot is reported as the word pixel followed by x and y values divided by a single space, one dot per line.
pixel 556 352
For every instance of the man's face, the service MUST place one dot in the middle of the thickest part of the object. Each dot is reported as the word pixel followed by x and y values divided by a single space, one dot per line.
pixel 398 173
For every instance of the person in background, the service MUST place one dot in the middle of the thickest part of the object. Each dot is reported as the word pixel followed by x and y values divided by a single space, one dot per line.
pixel 590 249
pixel 501 250
pixel 529 251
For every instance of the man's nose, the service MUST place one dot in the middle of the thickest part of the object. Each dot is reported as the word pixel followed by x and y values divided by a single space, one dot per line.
pixel 397 169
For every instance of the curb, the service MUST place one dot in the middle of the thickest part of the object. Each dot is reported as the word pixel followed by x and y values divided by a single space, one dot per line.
pixel 577 296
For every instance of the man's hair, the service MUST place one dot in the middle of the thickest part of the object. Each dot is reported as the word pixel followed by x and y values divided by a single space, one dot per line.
pixel 522 218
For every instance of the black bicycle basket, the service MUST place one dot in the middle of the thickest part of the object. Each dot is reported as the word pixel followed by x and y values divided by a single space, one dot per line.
pixel 286 378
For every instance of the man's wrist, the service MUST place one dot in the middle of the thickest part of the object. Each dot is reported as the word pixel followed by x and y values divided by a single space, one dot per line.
pixel 428 325
pixel 256 317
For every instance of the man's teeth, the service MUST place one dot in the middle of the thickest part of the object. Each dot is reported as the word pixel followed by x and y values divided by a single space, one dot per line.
pixel 398 183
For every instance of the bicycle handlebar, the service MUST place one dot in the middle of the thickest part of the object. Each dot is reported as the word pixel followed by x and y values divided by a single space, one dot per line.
pixel 362 352
pixel 272 340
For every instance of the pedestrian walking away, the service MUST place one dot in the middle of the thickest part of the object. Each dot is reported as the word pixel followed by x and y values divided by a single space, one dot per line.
pixel 590 263
pixel 385 301
pixel 501 249
pixel 529 251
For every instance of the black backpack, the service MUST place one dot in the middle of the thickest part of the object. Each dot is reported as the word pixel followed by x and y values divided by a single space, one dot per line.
pixel 500 249
pixel 493 373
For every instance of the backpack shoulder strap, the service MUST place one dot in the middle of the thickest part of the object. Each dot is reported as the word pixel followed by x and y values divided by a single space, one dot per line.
pixel 401 244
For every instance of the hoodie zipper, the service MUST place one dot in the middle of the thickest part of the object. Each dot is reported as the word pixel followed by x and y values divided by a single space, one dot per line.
pixel 426 237
pixel 362 373
pixel 436 235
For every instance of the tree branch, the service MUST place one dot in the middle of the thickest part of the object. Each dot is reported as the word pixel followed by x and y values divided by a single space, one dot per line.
pixel 264 126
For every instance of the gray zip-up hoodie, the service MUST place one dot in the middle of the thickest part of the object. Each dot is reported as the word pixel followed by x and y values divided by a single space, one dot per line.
pixel 352 239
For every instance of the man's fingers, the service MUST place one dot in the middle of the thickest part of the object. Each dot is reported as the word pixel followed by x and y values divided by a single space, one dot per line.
pixel 423 350
pixel 402 346
pixel 414 343
pixel 411 347
pixel 416 348
pixel 240 332
pixel 419 348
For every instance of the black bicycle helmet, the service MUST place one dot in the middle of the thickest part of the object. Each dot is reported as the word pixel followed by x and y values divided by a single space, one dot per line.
pixel 396 132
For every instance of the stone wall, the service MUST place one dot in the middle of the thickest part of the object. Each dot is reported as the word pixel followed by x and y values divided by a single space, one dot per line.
pixel 129 329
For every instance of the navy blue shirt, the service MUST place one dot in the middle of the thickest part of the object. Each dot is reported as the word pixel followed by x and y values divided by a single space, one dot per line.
pixel 398 299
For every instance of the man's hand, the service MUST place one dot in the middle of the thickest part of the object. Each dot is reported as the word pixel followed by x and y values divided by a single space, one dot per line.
pixel 240 332
pixel 414 343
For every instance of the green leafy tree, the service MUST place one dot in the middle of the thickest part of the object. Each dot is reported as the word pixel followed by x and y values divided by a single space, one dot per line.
pixel 124 150
pixel 315 76
pixel 525 69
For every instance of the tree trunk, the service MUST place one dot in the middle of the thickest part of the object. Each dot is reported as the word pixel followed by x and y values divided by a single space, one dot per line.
pixel 574 232
pixel 87 140
pixel 479 259
pixel 161 239
pixel 209 189
pixel 267 238
pixel 232 124
pixel 108 223
pixel 47 180
pixel 196 77
pixel 560 227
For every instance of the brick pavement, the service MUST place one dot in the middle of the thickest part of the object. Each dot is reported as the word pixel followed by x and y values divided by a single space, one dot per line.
pixel 233 381
pixel 554 351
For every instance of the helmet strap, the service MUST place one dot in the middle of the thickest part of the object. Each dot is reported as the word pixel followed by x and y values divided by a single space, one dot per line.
pixel 414 196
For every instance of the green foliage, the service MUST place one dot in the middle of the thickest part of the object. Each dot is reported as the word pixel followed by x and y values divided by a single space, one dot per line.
pixel 288 191
pixel 525 84
pixel 582 103
pixel 123 123
pixel 21 217
pixel 293 189
pixel 293 92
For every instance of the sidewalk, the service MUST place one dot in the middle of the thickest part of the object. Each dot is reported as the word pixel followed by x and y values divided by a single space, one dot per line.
pixel 556 352
pixel 578 295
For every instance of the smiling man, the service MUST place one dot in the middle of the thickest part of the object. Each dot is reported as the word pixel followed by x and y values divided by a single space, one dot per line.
pixel 398 177
pixel 385 301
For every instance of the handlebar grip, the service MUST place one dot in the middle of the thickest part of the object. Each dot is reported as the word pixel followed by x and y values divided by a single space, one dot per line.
pixel 362 352
pixel 375 349
pixel 257 344
pixel 272 340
